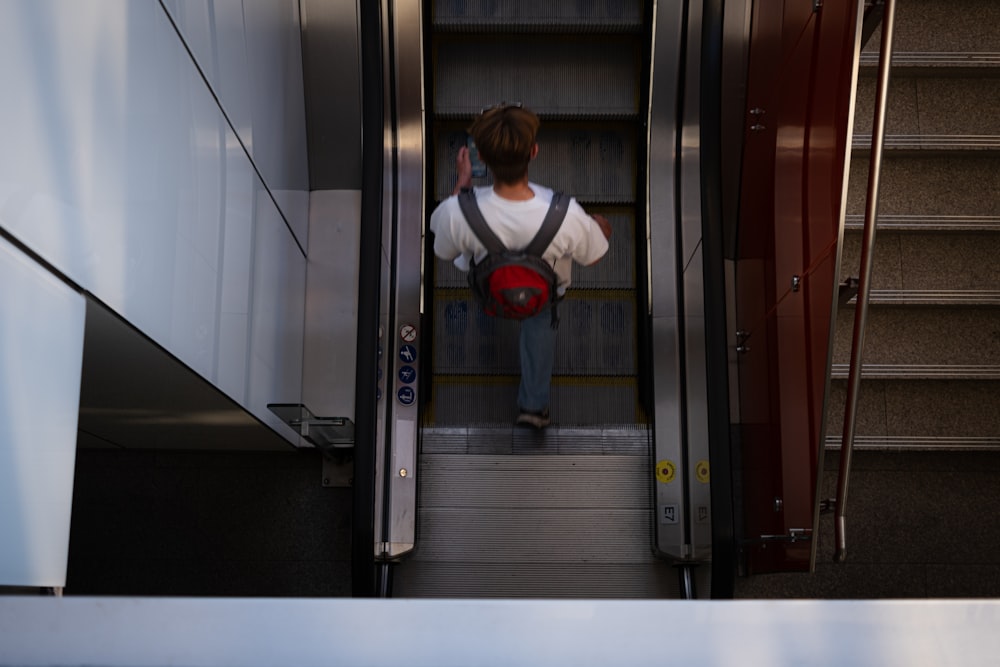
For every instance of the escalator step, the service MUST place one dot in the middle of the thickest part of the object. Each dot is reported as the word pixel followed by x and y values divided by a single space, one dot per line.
pixel 594 163
pixel 597 77
pixel 492 401
pixel 513 16
pixel 596 336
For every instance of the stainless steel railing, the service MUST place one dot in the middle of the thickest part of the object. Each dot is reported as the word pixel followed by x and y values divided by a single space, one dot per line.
pixel 864 281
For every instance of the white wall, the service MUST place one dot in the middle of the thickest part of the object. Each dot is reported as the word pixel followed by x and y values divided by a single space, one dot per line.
pixel 41 347
pixel 181 207
pixel 250 52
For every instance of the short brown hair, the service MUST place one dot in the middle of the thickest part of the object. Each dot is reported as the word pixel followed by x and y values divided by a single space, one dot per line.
pixel 505 136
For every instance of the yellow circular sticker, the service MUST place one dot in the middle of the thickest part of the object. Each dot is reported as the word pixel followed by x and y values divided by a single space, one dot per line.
pixel 701 471
pixel 665 471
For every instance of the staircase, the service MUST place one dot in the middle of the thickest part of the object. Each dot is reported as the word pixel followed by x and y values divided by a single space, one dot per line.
pixel 931 368
pixel 926 470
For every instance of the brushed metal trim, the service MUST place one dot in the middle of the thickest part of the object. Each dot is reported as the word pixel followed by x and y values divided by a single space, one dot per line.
pixel 664 300
pixel 404 261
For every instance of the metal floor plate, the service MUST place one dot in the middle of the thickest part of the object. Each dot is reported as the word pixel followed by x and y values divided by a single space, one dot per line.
pixel 631 441
pixel 534 525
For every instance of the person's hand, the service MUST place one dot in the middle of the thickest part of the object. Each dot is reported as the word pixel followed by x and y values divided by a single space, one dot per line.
pixel 603 224
pixel 463 166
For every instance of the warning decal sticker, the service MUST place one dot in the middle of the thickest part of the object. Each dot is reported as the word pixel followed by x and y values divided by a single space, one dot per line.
pixel 665 471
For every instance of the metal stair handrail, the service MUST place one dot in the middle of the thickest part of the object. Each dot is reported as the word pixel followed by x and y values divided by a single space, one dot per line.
pixel 864 279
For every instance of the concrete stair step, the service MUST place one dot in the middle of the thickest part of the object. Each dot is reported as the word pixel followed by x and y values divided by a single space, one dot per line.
pixel 930 26
pixel 919 264
pixel 930 183
pixel 924 340
pixel 930 112
pixel 927 412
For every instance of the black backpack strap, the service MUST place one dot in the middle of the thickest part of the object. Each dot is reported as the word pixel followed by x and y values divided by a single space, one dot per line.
pixel 473 216
pixel 550 226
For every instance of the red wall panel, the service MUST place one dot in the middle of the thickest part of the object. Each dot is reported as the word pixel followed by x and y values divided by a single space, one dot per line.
pixel 800 96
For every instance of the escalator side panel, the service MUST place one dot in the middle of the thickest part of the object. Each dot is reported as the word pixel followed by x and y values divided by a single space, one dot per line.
pixel 671 525
pixel 697 470
pixel 402 243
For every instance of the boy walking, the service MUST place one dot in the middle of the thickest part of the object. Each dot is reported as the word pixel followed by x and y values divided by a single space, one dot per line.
pixel 514 209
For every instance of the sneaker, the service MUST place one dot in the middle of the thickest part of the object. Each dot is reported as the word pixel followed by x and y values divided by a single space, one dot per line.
pixel 538 420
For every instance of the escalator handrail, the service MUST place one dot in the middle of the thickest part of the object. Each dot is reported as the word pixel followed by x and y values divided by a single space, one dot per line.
pixel 716 332
pixel 363 575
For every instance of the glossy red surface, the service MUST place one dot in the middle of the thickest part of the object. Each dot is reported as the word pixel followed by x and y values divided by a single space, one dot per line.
pixel 800 85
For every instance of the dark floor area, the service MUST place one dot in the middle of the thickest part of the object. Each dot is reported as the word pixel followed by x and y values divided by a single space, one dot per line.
pixel 919 525
pixel 207 524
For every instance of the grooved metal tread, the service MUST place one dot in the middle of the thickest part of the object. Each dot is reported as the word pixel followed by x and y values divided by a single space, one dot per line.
pixel 503 536
pixel 629 440
pixel 568 482
pixel 515 16
pixel 573 402
pixel 535 526
pixel 537 580
pixel 596 76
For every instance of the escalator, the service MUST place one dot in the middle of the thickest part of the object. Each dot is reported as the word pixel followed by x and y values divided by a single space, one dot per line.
pixel 613 498
pixel 506 511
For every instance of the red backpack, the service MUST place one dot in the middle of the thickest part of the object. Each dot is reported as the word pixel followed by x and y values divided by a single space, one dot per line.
pixel 514 284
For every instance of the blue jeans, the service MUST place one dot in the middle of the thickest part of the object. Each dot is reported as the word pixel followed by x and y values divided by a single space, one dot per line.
pixel 538 351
